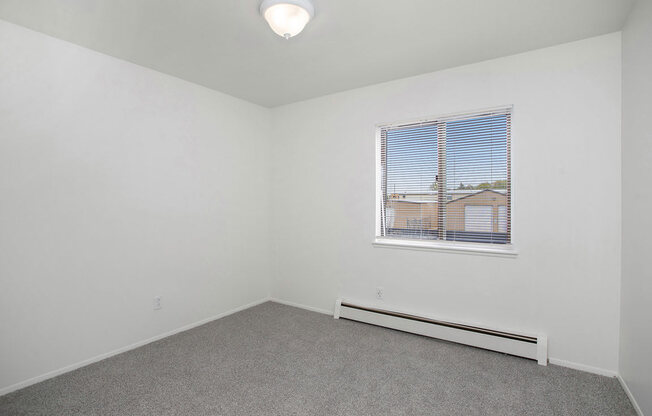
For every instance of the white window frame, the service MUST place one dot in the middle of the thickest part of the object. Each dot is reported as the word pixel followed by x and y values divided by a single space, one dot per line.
pixel 501 250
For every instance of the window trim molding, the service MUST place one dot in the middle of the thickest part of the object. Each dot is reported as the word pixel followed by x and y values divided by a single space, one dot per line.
pixel 502 250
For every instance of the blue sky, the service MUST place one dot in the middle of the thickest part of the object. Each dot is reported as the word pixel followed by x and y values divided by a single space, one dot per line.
pixel 476 152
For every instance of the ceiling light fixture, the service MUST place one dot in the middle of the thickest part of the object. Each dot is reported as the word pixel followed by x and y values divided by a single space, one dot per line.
pixel 287 18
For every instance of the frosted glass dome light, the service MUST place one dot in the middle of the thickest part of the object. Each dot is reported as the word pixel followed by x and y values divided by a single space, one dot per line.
pixel 287 18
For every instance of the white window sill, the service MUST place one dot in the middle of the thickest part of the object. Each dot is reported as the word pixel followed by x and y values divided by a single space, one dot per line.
pixel 501 250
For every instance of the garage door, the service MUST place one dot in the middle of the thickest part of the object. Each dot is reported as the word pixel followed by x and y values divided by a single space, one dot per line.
pixel 502 219
pixel 478 218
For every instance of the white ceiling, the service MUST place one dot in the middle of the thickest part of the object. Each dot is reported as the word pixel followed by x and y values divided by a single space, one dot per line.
pixel 227 46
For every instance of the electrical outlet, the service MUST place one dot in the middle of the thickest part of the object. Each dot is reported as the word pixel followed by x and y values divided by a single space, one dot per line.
pixel 379 293
pixel 157 302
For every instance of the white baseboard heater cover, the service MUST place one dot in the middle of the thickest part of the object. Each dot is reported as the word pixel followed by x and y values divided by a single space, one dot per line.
pixel 534 347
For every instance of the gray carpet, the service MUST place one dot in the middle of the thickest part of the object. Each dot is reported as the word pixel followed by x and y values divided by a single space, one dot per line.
pixel 278 360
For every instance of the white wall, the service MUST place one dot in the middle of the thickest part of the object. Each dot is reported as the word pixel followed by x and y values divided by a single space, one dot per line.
pixel 118 183
pixel 636 318
pixel 566 146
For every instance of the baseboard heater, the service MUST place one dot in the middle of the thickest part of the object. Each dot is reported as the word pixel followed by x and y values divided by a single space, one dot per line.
pixel 530 346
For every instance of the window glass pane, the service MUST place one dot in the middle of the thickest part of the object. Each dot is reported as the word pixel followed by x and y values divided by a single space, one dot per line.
pixel 411 190
pixel 477 179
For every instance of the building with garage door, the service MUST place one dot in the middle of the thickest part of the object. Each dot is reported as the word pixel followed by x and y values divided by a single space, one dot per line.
pixel 470 215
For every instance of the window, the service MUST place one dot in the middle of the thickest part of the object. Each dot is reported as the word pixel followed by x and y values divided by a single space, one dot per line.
pixel 446 181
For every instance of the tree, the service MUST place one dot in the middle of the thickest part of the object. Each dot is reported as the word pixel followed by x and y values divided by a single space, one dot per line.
pixel 498 184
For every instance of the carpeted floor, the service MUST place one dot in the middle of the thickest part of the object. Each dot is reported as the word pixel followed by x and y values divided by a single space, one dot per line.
pixel 278 360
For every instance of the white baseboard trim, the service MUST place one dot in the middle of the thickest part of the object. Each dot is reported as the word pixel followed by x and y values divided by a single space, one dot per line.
pixel 71 367
pixel 298 305
pixel 583 367
pixel 639 412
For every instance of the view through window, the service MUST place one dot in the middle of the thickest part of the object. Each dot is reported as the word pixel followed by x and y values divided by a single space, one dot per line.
pixel 447 179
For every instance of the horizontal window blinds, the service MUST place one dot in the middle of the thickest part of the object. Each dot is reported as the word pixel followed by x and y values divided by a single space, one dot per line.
pixel 447 178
